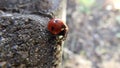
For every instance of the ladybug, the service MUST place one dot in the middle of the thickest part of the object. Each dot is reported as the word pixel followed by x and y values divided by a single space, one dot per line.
pixel 58 27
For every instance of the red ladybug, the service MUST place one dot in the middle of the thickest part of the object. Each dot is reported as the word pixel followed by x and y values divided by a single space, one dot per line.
pixel 57 27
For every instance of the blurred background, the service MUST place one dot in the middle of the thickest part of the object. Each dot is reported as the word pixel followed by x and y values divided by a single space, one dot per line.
pixel 94 34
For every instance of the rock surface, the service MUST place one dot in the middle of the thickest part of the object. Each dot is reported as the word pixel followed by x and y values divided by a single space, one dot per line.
pixel 25 42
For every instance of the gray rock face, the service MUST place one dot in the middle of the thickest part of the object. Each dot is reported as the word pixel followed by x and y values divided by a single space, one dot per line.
pixel 25 42
pixel 26 6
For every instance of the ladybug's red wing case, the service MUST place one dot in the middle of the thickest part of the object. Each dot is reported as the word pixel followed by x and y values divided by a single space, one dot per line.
pixel 54 26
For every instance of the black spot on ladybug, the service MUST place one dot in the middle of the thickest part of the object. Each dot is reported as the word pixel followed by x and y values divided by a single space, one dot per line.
pixel 52 28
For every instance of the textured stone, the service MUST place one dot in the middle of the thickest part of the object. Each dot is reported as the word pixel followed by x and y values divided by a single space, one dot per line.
pixel 25 42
